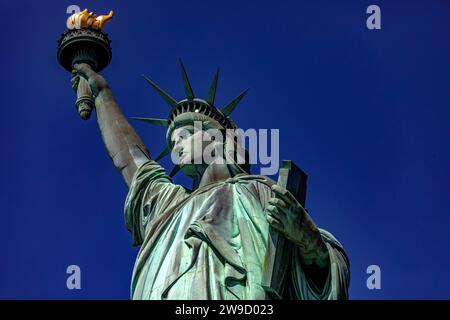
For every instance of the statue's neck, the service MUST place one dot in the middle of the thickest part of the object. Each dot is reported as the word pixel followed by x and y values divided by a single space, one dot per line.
pixel 212 174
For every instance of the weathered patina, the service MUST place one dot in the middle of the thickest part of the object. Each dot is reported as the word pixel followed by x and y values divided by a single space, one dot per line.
pixel 234 235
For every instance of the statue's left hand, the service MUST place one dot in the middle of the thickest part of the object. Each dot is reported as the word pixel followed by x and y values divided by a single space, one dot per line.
pixel 285 213
pixel 288 216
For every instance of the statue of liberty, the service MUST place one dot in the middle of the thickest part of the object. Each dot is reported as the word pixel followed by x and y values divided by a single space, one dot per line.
pixel 216 240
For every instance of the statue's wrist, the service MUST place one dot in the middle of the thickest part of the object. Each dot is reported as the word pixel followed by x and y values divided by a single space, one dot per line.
pixel 318 256
pixel 313 249
pixel 104 93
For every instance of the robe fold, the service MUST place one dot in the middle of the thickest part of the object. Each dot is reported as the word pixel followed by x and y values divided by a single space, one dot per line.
pixel 212 243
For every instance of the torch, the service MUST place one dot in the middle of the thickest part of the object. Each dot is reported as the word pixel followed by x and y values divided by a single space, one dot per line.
pixel 85 42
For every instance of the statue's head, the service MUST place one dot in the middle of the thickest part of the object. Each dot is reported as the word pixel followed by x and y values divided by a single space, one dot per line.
pixel 198 133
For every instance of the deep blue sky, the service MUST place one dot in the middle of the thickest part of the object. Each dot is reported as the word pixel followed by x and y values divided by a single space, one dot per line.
pixel 364 113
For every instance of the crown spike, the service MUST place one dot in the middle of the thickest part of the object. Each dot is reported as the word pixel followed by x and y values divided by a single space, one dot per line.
pixel 227 110
pixel 171 101
pixel 174 170
pixel 213 88
pixel 159 122
pixel 164 153
pixel 187 84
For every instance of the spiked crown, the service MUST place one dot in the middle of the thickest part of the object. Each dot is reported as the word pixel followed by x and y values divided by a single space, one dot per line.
pixel 193 108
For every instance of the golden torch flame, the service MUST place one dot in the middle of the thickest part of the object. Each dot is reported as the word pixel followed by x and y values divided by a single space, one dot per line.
pixel 86 19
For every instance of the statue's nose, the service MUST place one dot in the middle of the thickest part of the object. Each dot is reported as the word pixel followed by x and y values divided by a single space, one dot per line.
pixel 177 149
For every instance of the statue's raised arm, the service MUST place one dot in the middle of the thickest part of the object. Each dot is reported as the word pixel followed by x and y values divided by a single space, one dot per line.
pixel 123 144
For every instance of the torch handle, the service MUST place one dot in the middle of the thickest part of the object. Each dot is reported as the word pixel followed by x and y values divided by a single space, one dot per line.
pixel 85 102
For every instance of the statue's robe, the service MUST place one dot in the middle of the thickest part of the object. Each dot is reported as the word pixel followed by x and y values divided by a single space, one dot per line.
pixel 212 243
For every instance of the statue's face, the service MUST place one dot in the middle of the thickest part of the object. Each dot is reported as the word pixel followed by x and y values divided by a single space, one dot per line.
pixel 189 145
pixel 195 148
